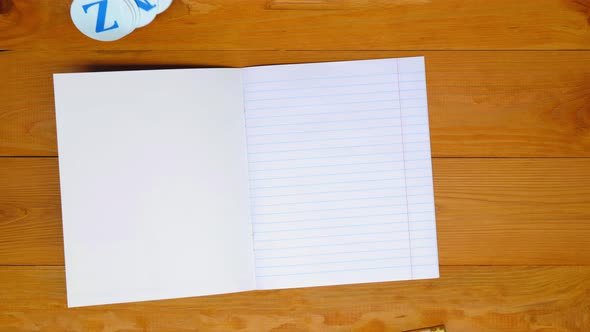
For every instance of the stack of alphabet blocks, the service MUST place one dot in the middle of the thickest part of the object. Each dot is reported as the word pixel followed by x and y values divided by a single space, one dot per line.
pixel 108 20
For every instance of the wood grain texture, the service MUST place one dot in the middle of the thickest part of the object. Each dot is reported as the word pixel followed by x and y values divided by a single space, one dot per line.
pixel 489 211
pixel 481 104
pixel 513 211
pixel 345 25
pixel 466 299
pixel 30 212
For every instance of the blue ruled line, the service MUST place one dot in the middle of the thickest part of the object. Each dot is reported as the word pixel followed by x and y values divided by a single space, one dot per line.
pixel 325 139
pixel 320 166
pixel 336 86
pixel 333 262
pixel 340 112
pixel 392 223
pixel 256 205
pixel 347 191
pixel 340 94
pixel 250 109
pixel 324 122
pixel 329 147
pixel 345 270
pixel 329 77
pixel 331 209
pixel 330 236
pixel 323 245
pixel 324 131
pixel 337 253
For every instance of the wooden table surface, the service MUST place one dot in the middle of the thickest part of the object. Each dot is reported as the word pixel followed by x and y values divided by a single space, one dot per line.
pixel 509 99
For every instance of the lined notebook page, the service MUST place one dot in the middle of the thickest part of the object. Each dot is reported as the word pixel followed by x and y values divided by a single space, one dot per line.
pixel 340 173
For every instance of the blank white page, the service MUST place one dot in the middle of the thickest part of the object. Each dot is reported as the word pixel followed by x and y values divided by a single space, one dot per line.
pixel 153 175
pixel 340 173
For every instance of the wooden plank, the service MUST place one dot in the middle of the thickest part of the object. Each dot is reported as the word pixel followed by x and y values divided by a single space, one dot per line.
pixel 489 211
pixel 513 211
pixel 482 104
pixel 465 299
pixel 30 212
pixel 299 25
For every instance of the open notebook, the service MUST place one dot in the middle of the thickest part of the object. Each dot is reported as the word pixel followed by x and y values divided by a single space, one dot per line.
pixel 191 182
